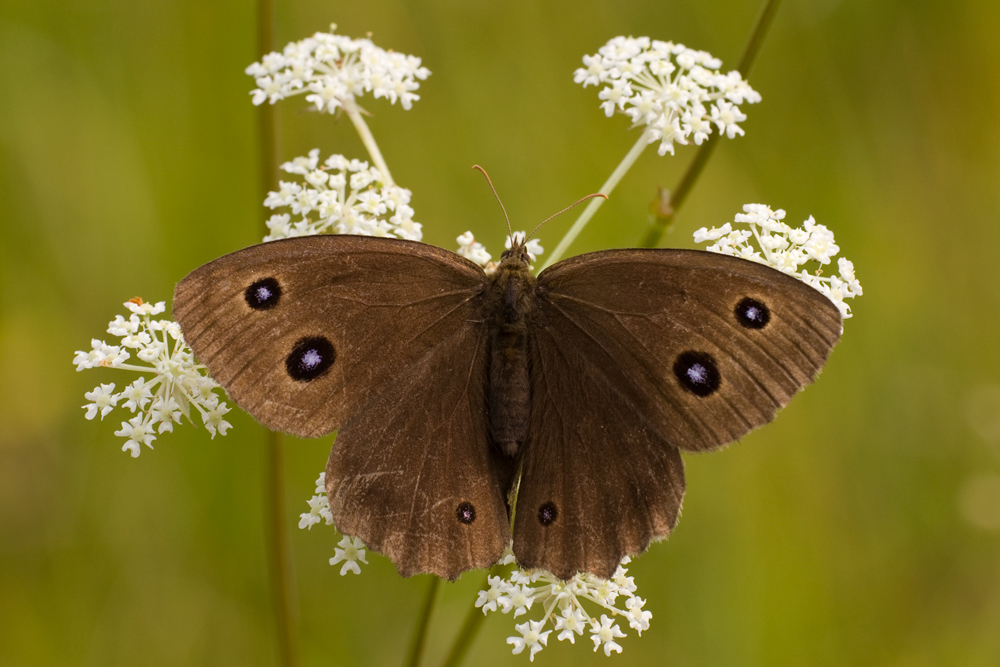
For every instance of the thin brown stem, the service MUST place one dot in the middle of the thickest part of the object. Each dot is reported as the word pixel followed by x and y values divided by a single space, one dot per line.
pixel 667 207
pixel 278 540
pixel 423 622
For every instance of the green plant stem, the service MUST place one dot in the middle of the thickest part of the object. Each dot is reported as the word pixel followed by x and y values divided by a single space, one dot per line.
pixel 596 202
pixel 677 196
pixel 473 620
pixel 279 548
pixel 367 138
pixel 423 622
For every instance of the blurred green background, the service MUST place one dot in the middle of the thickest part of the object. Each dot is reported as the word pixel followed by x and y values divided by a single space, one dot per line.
pixel 861 528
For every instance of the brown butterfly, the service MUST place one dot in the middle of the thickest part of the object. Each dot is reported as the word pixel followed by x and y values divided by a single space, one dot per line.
pixel 454 392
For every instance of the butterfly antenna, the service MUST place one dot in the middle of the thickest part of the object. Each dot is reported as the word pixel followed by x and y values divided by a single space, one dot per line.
pixel 579 201
pixel 509 232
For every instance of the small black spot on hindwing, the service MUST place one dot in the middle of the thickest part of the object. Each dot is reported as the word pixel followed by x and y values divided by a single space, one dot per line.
pixel 697 372
pixel 752 313
pixel 547 513
pixel 465 512
pixel 263 294
pixel 310 358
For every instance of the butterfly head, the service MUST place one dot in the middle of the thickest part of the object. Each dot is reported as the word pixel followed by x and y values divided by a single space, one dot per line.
pixel 518 252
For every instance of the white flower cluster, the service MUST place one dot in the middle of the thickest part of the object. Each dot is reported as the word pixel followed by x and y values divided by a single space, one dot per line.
pixel 332 69
pixel 341 197
pixel 472 249
pixel 350 550
pixel 319 506
pixel 158 402
pixel 786 249
pixel 676 92
pixel 562 605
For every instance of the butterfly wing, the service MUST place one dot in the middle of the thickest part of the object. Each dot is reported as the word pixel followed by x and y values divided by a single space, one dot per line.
pixel 414 473
pixel 674 349
pixel 384 338
pixel 382 304
pixel 597 482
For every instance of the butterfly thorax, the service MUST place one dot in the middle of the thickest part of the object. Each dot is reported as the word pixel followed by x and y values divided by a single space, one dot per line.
pixel 511 304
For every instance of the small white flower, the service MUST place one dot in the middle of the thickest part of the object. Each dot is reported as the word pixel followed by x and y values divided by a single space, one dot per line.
pixel 102 400
pixel 488 599
pixel 332 70
pixel 137 394
pixel 321 483
pixel 350 551
pixel 569 623
pixel 165 412
pixel 519 598
pixel 677 93
pixel 638 619
pixel 145 309
pixel 213 417
pixel 531 638
pixel 138 431
pixel 726 116
pixel 605 633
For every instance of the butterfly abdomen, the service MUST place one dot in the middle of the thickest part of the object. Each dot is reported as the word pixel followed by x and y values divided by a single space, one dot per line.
pixel 512 302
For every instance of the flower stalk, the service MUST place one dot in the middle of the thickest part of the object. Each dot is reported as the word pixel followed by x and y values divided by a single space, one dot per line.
pixel 423 622
pixel 279 547
pixel 616 176
pixel 676 94
pixel 467 633
pixel 668 209
pixel 354 113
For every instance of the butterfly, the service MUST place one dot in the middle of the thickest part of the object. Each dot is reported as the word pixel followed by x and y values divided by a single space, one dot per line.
pixel 474 411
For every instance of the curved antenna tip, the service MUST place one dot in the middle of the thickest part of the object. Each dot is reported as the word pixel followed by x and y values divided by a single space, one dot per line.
pixel 510 233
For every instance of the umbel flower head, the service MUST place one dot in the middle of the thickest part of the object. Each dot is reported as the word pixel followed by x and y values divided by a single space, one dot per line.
pixel 786 249
pixel 159 401
pixel 340 196
pixel 677 93
pixel 562 606
pixel 332 70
